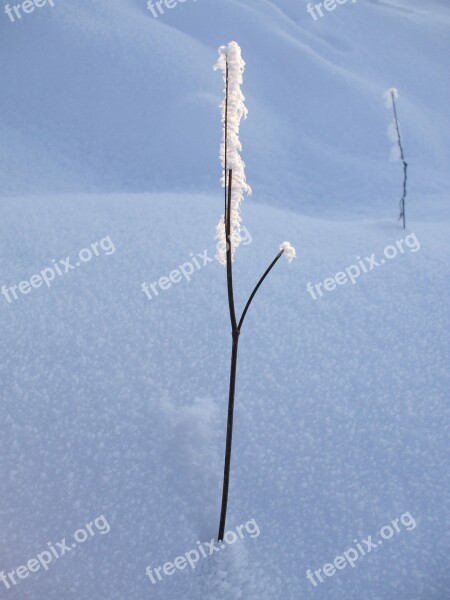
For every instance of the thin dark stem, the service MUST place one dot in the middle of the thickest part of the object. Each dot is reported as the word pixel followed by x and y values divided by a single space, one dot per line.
pixel 234 356
pixel 235 335
pixel 405 165
pixel 227 466
pixel 258 285
pixel 229 256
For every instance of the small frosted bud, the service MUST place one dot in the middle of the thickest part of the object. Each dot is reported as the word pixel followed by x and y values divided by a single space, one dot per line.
pixel 288 250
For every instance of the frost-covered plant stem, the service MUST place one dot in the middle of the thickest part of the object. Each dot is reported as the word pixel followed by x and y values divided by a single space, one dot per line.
pixel 402 156
pixel 228 229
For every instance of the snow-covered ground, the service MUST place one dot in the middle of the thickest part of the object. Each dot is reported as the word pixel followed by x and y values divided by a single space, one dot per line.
pixel 101 96
pixel 113 404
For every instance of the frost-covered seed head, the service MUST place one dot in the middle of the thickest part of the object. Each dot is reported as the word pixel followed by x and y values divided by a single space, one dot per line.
pixel 230 56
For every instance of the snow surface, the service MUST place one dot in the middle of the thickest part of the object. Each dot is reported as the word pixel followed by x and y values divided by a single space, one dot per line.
pixel 115 404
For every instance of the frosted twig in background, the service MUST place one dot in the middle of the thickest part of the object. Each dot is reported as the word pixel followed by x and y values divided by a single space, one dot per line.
pixel 390 96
